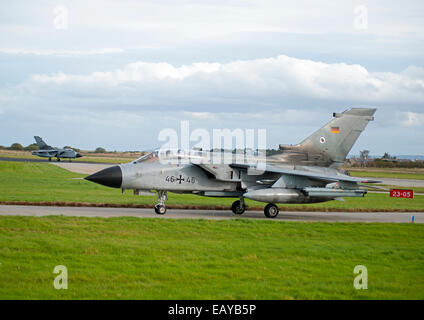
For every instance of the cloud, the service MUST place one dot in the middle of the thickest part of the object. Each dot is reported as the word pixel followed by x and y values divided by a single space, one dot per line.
pixel 412 119
pixel 289 97
pixel 272 83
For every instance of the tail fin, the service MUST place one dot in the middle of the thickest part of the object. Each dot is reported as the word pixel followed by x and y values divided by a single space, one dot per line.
pixel 336 138
pixel 41 144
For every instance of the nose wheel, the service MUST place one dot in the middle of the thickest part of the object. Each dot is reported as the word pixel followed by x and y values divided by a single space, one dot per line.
pixel 271 210
pixel 238 207
pixel 160 208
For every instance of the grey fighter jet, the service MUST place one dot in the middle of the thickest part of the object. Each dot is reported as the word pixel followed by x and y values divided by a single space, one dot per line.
pixel 46 151
pixel 303 173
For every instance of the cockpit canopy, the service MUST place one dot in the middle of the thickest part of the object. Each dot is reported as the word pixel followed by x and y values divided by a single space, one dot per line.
pixel 150 157
pixel 166 156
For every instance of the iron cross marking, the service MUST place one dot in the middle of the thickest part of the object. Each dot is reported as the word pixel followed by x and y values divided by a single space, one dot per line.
pixel 179 179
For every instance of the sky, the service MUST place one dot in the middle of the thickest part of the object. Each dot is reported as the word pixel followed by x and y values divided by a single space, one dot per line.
pixel 115 73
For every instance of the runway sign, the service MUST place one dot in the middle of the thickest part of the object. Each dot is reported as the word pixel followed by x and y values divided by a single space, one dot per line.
pixel 401 193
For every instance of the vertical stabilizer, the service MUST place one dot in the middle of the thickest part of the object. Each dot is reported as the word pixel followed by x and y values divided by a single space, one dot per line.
pixel 41 144
pixel 336 138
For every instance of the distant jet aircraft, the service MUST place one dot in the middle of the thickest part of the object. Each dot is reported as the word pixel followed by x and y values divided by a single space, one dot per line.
pixel 302 173
pixel 46 151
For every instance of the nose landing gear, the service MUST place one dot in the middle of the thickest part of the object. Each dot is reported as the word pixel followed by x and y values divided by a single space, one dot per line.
pixel 238 207
pixel 160 208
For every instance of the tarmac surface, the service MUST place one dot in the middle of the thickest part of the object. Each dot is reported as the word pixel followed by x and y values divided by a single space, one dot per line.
pixel 396 217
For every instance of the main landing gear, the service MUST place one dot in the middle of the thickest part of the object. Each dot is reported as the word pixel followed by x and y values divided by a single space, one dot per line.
pixel 238 206
pixel 160 207
pixel 271 210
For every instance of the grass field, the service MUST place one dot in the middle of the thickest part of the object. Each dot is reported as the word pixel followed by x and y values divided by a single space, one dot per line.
pixel 125 258
pixel 416 189
pixel 132 258
pixel 42 182
pixel 386 174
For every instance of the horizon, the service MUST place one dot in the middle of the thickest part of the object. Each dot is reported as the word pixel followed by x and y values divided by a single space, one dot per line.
pixel 349 156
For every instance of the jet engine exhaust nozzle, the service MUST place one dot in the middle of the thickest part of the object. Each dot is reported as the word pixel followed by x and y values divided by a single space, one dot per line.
pixel 110 177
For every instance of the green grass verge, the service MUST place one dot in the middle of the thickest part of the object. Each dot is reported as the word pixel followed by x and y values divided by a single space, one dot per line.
pixel 386 174
pixel 388 187
pixel 125 258
pixel 42 182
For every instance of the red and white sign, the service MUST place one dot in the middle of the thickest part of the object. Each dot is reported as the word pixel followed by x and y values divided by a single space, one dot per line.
pixel 401 193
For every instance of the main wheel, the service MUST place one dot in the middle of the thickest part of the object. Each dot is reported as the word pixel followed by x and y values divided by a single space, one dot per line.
pixel 271 210
pixel 160 209
pixel 237 208
pixel 50 159
pixel 58 159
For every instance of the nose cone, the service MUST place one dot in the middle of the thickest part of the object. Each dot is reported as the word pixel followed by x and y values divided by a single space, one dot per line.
pixel 78 155
pixel 110 177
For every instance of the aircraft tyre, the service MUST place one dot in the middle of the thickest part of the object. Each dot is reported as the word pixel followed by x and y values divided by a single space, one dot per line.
pixel 160 209
pixel 237 208
pixel 271 210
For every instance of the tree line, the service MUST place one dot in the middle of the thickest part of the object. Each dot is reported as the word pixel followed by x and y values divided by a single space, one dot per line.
pixel 33 146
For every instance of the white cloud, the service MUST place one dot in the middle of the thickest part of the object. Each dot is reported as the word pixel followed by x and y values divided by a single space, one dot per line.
pixel 412 119
pixel 414 72
pixel 272 83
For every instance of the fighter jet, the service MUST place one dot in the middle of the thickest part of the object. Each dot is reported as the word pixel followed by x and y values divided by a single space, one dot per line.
pixel 46 151
pixel 303 173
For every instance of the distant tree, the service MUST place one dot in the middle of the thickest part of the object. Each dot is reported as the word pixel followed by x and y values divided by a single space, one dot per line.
pixel 100 150
pixel 386 155
pixel 31 147
pixel 16 146
pixel 364 156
